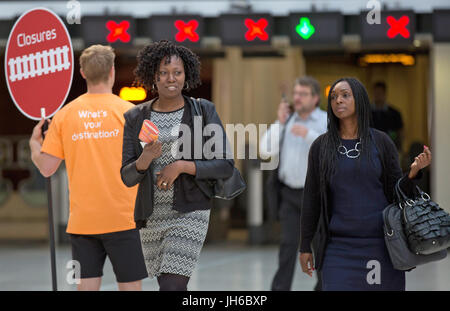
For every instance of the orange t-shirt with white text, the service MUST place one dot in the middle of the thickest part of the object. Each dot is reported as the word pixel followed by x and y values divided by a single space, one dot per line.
pixel 88 134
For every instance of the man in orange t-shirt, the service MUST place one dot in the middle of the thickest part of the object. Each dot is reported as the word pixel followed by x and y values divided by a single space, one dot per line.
pixel 88 134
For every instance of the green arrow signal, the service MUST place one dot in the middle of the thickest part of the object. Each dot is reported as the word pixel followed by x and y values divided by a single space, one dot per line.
pixel 305 29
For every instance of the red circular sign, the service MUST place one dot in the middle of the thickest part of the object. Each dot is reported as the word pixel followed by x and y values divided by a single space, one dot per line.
pixel 39 63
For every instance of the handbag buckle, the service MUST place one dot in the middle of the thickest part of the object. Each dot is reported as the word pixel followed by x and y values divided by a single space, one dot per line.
pixel 426 198
pixel 410 204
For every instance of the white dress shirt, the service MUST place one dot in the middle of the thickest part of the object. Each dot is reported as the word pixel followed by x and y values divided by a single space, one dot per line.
pixel 294 154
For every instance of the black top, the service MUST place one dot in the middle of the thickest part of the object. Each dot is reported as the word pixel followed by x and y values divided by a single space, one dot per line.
pixel 388 120
pixel 190 192
pixel 316 210
pixel 356 195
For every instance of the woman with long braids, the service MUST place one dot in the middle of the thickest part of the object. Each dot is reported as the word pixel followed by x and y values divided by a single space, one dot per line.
pixel 352 171
pixel 174 197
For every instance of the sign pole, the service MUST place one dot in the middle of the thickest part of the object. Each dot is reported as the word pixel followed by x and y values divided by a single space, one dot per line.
pixel 50 217
pixel 51 233
pixel 39 64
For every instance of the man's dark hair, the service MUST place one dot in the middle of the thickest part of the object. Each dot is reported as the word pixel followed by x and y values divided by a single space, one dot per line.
pixel 380 84
pixel 151 56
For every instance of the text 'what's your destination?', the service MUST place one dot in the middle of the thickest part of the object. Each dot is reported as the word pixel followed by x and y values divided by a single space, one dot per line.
pixel 92 126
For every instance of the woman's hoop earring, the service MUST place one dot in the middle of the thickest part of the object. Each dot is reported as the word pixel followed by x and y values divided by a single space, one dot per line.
pixel 186 86
pixel 154 89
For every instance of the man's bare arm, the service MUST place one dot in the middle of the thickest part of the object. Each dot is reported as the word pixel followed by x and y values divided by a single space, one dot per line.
pixel 46 163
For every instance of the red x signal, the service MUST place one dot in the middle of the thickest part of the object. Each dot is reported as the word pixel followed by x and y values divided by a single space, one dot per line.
pixel 186 30
pixel 256 29
pixel 118 31
pixel 398 27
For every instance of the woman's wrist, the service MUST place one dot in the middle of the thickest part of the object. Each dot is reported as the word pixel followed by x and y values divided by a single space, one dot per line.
pixel 412 174
pixel 187 167
pixel 182 165
pixel 140 166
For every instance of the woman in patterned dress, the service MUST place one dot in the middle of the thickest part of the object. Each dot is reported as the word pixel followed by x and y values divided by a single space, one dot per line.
pixel 173 202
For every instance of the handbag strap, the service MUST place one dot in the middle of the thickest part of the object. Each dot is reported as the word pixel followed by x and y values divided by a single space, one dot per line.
pixel 401 197
pixel 198 109
pixel 420 191
pixel 196 105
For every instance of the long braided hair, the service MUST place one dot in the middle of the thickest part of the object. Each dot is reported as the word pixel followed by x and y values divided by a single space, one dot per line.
pixel 331 140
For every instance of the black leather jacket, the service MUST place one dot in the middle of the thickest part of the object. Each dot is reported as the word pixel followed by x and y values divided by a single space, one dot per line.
pixel 190 192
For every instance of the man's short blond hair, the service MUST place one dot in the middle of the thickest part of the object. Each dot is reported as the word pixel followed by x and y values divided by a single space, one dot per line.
pixel 96 62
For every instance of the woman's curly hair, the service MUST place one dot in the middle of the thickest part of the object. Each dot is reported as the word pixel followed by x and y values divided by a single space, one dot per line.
pixel 150 57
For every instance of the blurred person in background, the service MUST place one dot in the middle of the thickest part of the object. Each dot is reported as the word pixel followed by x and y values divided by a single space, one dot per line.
pixel 173 202
pixel 386 118
pixel 352 171
pixel 298 128
pixel 101 207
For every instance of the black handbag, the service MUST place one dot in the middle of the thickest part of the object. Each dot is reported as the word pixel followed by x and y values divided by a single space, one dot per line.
pixel 426 225
pixel 402 257
pixel 229 188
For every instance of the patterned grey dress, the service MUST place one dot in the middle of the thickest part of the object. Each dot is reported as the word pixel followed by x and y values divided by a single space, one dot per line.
pixel 172 241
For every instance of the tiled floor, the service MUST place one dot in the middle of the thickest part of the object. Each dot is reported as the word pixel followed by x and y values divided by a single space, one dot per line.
pixel 226 267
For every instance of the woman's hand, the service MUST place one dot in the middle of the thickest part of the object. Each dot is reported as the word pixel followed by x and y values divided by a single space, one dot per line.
pixel 166 177
pixel 307 263
pixel 151 151
pixel 420 162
